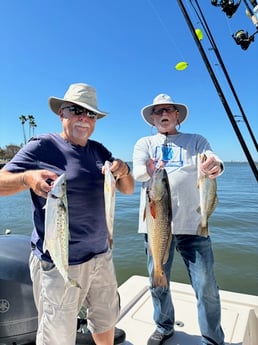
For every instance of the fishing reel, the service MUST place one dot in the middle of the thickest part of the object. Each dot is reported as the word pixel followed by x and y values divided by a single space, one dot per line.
pixel 227 6
pixel 242 38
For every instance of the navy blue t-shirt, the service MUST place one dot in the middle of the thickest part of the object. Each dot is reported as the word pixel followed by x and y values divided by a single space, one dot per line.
pixel 85 191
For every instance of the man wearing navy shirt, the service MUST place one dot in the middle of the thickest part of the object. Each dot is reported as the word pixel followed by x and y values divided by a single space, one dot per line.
pixel 34 167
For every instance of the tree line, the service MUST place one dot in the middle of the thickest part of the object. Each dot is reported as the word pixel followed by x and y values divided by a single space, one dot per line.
pixel 10 150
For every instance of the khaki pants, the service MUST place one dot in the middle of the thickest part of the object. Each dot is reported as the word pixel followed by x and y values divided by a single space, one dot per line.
pixel 58 306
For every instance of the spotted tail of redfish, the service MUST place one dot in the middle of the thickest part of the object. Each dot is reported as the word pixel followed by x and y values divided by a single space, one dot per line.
pixel 159 279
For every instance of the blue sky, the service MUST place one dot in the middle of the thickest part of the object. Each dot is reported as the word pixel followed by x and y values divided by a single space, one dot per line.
pixel 128 51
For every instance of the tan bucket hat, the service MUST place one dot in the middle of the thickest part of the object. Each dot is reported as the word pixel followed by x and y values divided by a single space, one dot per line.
pixel 81 94
pixel 164 99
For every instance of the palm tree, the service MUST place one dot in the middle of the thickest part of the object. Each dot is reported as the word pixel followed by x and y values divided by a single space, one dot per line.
pixel 23 119
pixel 32 124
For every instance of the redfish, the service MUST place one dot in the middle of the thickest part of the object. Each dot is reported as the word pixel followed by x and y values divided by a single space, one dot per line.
pixel 158 215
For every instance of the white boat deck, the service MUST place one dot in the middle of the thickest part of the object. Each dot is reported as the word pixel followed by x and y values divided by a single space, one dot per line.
pixel 239 315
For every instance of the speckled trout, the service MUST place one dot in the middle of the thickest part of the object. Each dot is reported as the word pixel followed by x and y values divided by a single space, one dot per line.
pixel 158 220
pixel 109 196
pixel 56 239
pixel 208 196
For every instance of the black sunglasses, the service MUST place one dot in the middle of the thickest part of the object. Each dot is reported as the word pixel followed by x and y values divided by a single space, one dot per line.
pixel 77 110
pixel 160 111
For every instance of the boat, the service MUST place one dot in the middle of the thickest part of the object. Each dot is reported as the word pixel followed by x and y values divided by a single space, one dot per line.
pixel 239 314
pixel 18 315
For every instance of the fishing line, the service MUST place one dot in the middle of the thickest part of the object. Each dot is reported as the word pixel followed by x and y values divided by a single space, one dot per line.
pixel 176 47
pixel 213 51
pixel 220 91
pixel 230 30
pixel 210 46
pixel 204 25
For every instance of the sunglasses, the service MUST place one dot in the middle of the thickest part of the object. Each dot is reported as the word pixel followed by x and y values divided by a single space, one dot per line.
pixel 77 110
pixel 160 111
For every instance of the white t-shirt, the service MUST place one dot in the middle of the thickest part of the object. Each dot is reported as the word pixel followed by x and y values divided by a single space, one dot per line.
pixel 179 153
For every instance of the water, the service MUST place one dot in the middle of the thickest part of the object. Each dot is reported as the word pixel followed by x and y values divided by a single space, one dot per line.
pixel 233 227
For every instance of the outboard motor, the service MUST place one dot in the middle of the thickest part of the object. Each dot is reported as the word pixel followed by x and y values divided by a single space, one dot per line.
pixel 18 313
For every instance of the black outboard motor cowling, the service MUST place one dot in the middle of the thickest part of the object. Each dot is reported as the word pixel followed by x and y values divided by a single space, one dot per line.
pixel 18 314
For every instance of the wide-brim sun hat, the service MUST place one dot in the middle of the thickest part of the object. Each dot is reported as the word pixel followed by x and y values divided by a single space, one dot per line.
pixel 164 99
pixel 81 94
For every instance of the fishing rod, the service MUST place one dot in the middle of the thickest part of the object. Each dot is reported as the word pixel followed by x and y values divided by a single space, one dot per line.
pixel 219 90
pixel 227 75
pixel 248 7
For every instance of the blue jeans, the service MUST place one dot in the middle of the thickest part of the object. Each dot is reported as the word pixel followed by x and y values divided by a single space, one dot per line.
pixel 197 254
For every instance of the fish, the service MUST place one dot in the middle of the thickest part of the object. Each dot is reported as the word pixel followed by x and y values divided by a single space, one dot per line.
pixel 109 197
pixel 158 214
pixel 56 240
pixel 208 196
